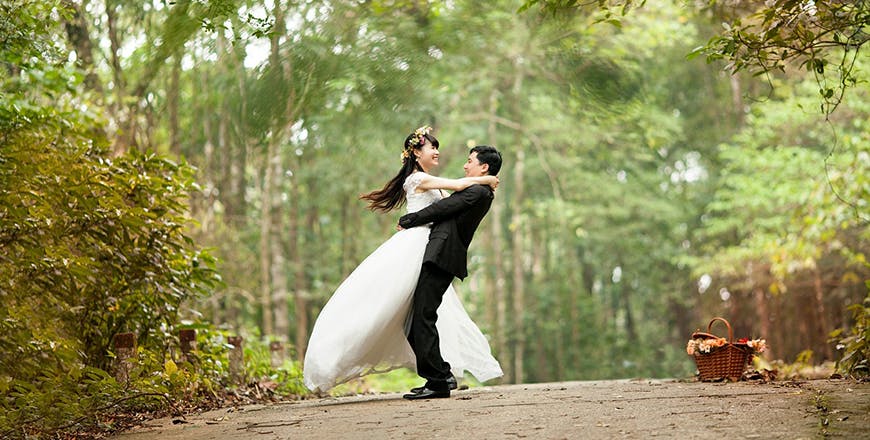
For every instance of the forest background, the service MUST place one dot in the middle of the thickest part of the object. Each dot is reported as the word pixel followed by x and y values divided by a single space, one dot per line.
pixel 197 164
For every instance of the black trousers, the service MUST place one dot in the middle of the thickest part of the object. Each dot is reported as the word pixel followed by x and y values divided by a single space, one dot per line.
pixel 423 336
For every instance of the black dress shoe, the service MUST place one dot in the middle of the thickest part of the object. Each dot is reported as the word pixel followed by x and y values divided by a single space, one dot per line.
pixel 426 393
pixel 451 383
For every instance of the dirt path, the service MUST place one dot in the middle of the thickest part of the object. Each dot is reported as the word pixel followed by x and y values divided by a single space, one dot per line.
pixel 568 410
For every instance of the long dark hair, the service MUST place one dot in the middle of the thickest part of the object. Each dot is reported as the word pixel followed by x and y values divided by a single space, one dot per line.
pixel 392 195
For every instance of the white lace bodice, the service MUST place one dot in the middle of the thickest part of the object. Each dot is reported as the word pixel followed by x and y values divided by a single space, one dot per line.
pixel 418 201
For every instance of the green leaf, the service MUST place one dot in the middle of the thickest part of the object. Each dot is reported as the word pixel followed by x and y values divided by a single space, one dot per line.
pixel 525 6
pixel 169 367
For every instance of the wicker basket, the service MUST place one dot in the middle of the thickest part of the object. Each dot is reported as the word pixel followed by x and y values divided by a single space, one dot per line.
pixel 726 362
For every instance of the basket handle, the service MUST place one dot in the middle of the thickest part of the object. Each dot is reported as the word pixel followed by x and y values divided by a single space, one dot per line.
pixel 730 332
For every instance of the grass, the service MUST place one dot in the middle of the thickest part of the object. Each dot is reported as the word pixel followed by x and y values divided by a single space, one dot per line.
pixel 396 381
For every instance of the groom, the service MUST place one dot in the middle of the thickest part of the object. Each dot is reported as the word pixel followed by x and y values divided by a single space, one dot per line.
pixel 454 219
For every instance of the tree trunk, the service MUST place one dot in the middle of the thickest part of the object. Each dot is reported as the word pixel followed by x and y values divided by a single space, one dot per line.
pixel 224 143
pixel 280 128
pixel 518 227
pixel 539 272
pixel 150 123
pixel 282 298
pixel 272 159
pixel 172 107
pixel 630 328
pixel 572 292
pixel 266 235
pixel 300 293
pixel 823 328
pixel 763 316
pixel 803 311
pixel 207 166
pixel 623 301
pixel 119 86
pixel 115 46
pixel 279 266
pixel 78 35
pixel 737 99
pixel 127 138
pixel 500 292
pixel 179 26
pixel 344 222
pixel 498 296
pixel 236 204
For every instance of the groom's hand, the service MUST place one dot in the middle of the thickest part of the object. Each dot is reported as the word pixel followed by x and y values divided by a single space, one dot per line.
pixel 406 220
pixel 399 227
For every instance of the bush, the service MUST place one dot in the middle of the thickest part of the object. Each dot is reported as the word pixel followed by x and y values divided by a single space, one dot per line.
pixel 92 246
pixel 856 343
pixel 87 401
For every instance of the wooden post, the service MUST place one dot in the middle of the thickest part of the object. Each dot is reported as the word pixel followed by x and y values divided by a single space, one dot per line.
pixel 187 340
pixel 237 360
pixel 125 351
pixel 276 349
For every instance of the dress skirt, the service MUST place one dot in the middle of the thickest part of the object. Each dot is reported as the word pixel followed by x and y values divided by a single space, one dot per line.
pixel 362 328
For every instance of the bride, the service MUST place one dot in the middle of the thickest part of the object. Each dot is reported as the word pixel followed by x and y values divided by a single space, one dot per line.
pixel 362 328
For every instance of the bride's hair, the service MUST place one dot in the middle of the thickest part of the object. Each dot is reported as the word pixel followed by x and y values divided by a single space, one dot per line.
pixel 392 195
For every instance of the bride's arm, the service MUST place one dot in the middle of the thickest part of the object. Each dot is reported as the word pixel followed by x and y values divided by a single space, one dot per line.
pixel 432 182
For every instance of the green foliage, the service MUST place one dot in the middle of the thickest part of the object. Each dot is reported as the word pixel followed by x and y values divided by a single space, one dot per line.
pixel 204 375
pixel 99 241
pixel 92 246
pixel 789 215
pixel 777 206
pixel 285 379
pixel 855 342
pixel 54 400
pixel 23 30
pixel 623 196
pixel 612 8
pixel 64 396
pixel 823 37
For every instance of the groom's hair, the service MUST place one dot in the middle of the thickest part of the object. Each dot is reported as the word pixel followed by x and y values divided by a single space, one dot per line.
pixel 490 156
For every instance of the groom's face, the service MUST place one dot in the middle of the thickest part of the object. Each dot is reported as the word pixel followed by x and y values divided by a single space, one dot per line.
pixel 473 167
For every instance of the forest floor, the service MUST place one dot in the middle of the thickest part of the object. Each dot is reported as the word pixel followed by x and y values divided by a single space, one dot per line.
pixel 634 409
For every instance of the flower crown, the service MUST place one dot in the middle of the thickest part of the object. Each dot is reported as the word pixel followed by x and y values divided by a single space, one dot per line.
pixel 416 141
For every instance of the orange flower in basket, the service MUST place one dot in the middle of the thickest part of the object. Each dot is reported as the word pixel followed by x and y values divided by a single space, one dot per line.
pixel 718 359
pixel 701 345
pixel 758 345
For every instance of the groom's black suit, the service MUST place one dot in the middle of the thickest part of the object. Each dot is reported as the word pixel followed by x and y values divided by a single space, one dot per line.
pixel 455 219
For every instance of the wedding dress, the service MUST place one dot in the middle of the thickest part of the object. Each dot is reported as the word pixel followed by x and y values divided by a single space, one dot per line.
pixel 362 329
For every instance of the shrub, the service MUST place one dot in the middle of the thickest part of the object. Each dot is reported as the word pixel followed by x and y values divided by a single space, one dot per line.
pixel 92 246
pixel 856 343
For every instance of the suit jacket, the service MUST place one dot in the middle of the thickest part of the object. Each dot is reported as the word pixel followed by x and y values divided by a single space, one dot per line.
pixel 455 219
